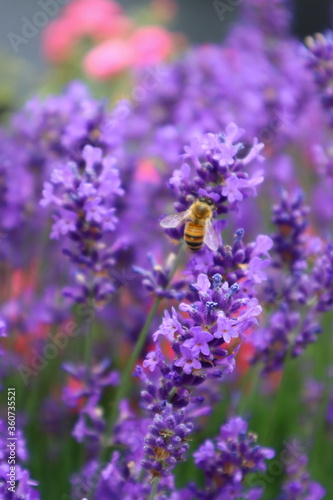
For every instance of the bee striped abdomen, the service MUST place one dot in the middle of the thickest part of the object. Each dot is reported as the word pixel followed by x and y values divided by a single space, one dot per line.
pixel 194 235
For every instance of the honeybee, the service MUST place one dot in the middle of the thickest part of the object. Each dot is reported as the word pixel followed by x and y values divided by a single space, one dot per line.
pixel 198 224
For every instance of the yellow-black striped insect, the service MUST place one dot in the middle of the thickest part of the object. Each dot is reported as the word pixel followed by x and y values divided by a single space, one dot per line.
pixel 198 224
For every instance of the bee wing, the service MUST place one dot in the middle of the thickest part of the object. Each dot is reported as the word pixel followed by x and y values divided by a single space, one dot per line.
pixel 175 220
pixel 211 239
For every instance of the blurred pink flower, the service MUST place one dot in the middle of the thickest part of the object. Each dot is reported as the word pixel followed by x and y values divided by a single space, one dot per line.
pixel 120 46
pixel 150 45
pixel 58 40
pixel 147 46
pixel 147 172
pixel 97 19
pixel 105 7
pixel 108 58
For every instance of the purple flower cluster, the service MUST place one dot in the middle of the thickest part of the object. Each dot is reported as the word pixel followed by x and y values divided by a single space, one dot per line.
pixel 215 166
pixel 115 480
pixel 228 459
pixel 44 132
pixel 118 479
pixel 119 476
pixel 214 319
pixel 319 60
pixel 236 263
pixel 156 280
pixel 298 485
pixel 165 443
pixel 106 179
pixel 274 20
pixel 299 285
pixel 61 126
pixel 83 194
pixel 256 79
pixel 290 217
pixel 85 396
pixel 17 200
pixel 200 346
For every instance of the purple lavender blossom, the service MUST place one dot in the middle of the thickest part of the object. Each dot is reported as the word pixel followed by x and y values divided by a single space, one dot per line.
pixel 170 327
pixel 156 280
pixel 165 444
pixel 291 220
pixel 300 292
pixel 151 360
pixel 91 383
pixel 213 169
pixel 44 132
pixel 62 124
pixel 239 262
pixel 200 353
pixel 226 328
pixel 188 360
pixel 78 151
pixel 84 194
pixel 298 484
pixel 111 480
pixel 119 479
pixel 227 460
pixel 318 60
pixel 199 343
pixel 273 20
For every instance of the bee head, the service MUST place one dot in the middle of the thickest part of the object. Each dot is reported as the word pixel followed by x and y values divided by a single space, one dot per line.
pixel 208 201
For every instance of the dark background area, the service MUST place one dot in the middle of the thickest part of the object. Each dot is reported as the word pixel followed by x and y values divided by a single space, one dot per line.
pixel 196 18
pixel 312 16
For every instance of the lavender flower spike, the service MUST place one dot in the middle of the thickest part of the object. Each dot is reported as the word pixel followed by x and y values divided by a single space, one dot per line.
pixel 83 194
pixel 228 459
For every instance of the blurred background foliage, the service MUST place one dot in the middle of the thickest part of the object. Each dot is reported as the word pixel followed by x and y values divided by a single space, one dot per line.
pixel 26 70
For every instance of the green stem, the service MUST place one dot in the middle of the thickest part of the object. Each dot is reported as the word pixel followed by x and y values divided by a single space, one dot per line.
pixel 87 347
pixel 154 488
pixel 322 352
pixel 87 350
pixel 278 407
pixel 124 387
